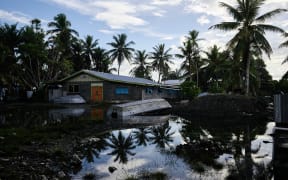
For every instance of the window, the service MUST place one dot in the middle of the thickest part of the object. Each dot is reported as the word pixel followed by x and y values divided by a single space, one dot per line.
pixel 149 91
pixel 73 88
pixel 121 90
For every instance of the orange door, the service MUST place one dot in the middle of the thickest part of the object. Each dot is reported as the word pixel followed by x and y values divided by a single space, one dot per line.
pixel 96 94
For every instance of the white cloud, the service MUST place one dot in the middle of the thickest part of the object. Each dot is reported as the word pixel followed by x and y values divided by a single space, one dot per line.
pixel 166 2
pixel 149 32
pixel 106 31
pixel 15 17
pixel 203 20
pixel 116 14
pixel 159 13
pixel 208 7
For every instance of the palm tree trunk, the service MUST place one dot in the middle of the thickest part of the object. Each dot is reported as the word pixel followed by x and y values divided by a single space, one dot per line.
pixel 247 77
pixel 190 72
pixel 246 58
pixel 118 69
pixel 197 76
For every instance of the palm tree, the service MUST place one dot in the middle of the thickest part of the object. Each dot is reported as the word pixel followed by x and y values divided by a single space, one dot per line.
pixel 101 61
pixel 217 62
pixel 190 52
pixel 196 59
pixel 142 67
pixel 61 33
pixel 120 49
pixel 77 58
pixel 89 47
pixel 187 55
pixel 285 44
pixel 250 30
pixel 162 59
pixel 173 75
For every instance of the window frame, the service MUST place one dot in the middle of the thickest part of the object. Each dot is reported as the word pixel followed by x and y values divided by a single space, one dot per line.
pixel 122 91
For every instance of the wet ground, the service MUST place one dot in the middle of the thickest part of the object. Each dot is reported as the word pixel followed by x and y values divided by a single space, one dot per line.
pixel 81 142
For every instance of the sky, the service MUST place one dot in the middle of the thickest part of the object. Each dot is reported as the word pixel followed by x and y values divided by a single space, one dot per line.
pixel 147 23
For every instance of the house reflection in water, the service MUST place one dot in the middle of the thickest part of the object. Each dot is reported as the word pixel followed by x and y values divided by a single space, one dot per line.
pixel 97 114
pixel 85 113
pixel 280 153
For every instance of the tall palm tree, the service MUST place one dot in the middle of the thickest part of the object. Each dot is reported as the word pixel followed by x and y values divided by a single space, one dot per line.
pixel 187 55
pixel 190 52
pixel 142 67
pixel 121 50
pixel 285 44
pixel 89 47
pixel 61 33
pixel 217 61
pixel 77 58
pixel 250 30
pixel 101 61
pixel 161 60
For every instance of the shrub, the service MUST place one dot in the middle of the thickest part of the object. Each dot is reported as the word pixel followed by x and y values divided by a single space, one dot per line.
pixel 215 88
pixel 189 89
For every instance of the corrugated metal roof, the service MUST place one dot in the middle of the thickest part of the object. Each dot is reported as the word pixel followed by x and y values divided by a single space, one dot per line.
pixel 175 82
pixel 116 78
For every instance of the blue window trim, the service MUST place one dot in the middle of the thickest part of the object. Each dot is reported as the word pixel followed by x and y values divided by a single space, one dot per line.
pixel 121 90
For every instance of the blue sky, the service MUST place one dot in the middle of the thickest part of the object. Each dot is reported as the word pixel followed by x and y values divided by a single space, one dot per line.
pixel 146 22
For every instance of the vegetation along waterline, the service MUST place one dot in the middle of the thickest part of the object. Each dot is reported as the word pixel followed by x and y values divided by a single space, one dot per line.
pixel 75 142
pixel 223 105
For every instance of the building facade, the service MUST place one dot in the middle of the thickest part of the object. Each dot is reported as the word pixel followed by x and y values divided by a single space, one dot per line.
pixel 97 87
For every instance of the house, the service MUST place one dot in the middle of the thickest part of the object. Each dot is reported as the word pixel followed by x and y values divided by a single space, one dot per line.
pixel 97 87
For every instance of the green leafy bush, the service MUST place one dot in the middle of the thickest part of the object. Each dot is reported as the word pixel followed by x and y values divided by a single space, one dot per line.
pixel 215 88
pixel 189 89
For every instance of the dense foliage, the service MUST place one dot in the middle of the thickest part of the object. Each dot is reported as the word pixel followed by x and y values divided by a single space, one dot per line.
pixel 31 57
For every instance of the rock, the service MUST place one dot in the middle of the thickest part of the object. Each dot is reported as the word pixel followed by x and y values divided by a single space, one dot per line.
pixel 43 177
pixel 61 174
pixel 4 159
pixel 112 169
pixel 2 138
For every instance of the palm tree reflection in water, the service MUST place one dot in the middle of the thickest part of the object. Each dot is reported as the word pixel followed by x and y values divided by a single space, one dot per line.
pixel 121 147
pixel 141 136
pixel 161 135
pixel 92 148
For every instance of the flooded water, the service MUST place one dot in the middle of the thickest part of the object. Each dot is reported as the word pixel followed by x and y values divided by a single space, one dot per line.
pixel 176 147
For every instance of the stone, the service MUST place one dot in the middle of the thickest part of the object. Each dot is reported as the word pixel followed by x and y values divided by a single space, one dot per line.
pixel 61 174
pixel 43 177
pixel 112 169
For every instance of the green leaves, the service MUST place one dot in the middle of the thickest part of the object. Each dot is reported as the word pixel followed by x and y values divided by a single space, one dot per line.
pixel 121 50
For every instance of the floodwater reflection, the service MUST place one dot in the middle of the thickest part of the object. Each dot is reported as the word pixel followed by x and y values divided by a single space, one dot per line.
pixel 181 148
